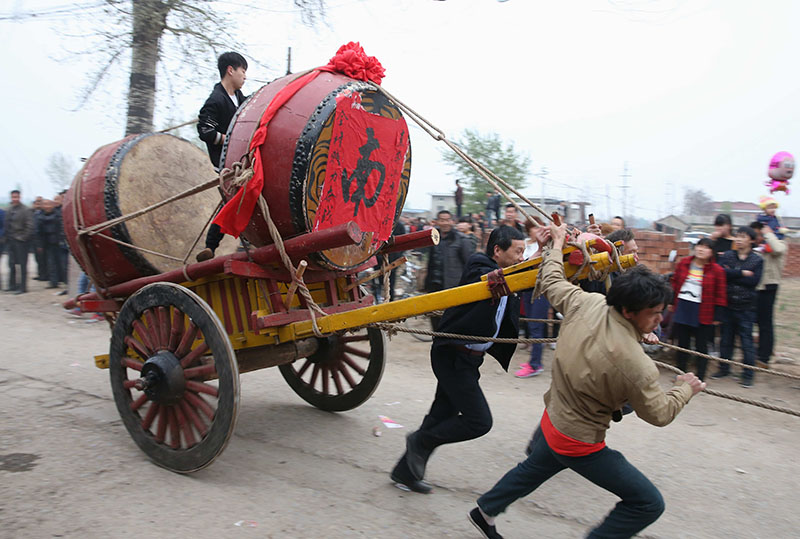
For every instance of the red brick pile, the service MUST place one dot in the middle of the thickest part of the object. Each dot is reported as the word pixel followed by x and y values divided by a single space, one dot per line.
pixel 792 267
pixel 654 249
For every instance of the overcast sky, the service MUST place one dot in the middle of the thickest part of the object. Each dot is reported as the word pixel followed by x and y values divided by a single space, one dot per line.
pixel 693 94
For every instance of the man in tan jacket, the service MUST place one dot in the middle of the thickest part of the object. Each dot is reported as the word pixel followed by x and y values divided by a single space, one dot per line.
pixel 773 250
pixel 599 366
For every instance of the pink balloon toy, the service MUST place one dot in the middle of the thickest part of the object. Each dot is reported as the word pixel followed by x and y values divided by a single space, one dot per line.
pixel 781 168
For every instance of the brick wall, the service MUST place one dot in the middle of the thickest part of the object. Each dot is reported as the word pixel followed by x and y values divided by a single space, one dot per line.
pixel 792 267
pixel 654 249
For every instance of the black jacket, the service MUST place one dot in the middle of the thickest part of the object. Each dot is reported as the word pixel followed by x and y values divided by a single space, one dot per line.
pixel 447 261
pixel 478 318
pixel 49 230
pixel 741 289
pixel 214 119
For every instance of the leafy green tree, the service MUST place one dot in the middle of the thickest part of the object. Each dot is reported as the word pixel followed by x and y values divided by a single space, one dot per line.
pixel 498 156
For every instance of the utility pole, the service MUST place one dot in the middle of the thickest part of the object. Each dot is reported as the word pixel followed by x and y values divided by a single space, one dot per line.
pixel 608 204
pixel 625 175
pixel 289 61
pixel 542 175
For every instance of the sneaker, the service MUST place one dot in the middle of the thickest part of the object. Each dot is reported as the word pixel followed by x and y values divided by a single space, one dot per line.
pixel 719 374
pixel 526 371
pixel 552 346
pixel 489 532
pixel 747 384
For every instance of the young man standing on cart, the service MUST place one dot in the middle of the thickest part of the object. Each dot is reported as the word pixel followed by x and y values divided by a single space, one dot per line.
pixel 598 367
pixel 459 411
pixel 213 122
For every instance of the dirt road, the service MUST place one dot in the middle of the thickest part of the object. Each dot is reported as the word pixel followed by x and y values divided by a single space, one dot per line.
pixel 69 469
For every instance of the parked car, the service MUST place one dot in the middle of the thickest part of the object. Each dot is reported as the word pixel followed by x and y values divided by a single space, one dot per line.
pixel 694 237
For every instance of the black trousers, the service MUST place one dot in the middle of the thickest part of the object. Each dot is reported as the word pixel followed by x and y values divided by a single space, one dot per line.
pixel 17 256
pixel 459 411
pixel 51 254
pixel 702 335
pixel 766 329
pixel 214 236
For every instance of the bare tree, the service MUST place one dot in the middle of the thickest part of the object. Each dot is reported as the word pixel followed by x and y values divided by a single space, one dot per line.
pixel 190 31
pixel 696 202
pixel 60 169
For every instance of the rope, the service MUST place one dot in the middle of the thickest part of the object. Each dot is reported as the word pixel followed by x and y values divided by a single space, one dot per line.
pixel 732 397
pixel 728 361
pixel 313 308
pixel 174 127
pixel 386 275
pixel 200 235
pixel 480 168
pixel 396 327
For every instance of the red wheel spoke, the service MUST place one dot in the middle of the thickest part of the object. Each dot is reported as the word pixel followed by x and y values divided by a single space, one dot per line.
pixel 163 325
pixel 186 341
pixel 347 376
pixel 200 387
pixel 184 426
pixel 354 338
pixel 198 402
pixel 135 405
pixel 336 380
pixel 304 368
pixel 192 356
pixel 162 424
pixel 176 329
pixel 194 418
pixel 314 374
pixel 141 330
pixel 137 347
pixel 150 416
pixel 132 364
pixel 153 330
pixel 353 365
pixel 174 433
pixel 202 371
pixel 356 352
pixel 325 380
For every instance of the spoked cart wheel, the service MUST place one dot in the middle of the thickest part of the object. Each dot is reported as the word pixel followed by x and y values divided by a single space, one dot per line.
pixel 178 403
pixel 343 373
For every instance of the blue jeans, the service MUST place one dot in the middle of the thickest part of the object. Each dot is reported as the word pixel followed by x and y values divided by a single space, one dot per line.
pixel 641 503
pixel 737 323
pixel 536 330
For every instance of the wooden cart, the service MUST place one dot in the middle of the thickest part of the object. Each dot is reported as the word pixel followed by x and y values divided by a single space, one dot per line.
pixel 181 339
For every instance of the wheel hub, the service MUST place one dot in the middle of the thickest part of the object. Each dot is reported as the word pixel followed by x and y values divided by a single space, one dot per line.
pixel 163 378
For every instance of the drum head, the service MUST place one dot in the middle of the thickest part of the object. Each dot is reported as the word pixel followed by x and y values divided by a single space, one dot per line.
pixel 149 169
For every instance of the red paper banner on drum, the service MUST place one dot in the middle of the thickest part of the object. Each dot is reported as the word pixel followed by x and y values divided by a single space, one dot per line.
pixel 365 162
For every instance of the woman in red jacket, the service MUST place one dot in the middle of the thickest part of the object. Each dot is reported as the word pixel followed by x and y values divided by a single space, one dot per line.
pixel 699 285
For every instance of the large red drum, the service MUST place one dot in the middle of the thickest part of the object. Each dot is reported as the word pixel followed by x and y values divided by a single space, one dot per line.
pixel 338 150
pixel 129 175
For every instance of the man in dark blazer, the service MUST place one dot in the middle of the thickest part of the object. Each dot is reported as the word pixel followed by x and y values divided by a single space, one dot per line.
pixel 213 122
pixel 459 411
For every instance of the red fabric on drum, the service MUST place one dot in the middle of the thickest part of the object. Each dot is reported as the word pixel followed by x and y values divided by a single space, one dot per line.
pixel 365 163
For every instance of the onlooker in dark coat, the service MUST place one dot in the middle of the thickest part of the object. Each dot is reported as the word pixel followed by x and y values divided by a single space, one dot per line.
pixel 19 233
pixel 743 269
pixel 447 259
pixel 700 287
pixel 49 236
pixel 2 230
pixel 492 208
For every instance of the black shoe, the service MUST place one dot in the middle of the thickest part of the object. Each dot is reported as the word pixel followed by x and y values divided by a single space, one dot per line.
pixel 747 384
pixel 719 374
pixel 412 485
pixel 489 532
pixel 205 254
pixel 18 292
pixel 416 455
pixel 11 289
pixel 51 286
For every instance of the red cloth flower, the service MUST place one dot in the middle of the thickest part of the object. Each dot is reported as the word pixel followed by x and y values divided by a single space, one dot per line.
pixel 351 60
